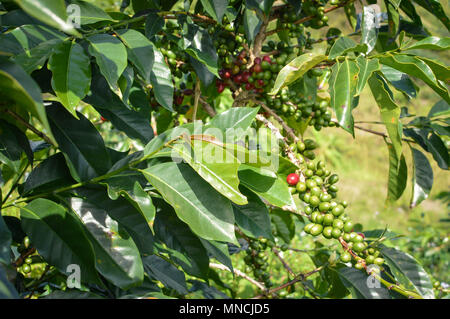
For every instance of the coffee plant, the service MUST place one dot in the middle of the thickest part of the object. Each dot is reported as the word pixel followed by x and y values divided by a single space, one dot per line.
pixel 141 148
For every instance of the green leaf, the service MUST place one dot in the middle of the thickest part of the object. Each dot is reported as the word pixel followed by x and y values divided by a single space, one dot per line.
pixel 50 174
pixel 441 71
pixel 398 175
pixel 150 63
pixel 366 69
pixel 413 66
pixel 236 120
pixel 125 213
pixel 116 256
pixel 435 8
pixel 266 184
pixel 153 24
pixel 5 244
pixel 439 151
pixel 35 58
pixel 344 45
pixel 85 160
pixel 219 251
pixel 439 109
pixel 431 43
pixel 71 69
pixel 90 13
pixel 7 290
pixel 399 80
pixel 343 85
pixel 350 13
pixel 296 69
pixel 18 88
pixel 409 9
pixel 111 107
pixel 71 294
pixel 263 5
pixel 356 281
pixel 284 224
pixel 393 17
pixel 422 177
pixel 59 237
pixel 207 213
pixel 111 56
pixel 408 271
pixel 13 142
pixel 369 31
pixel 198 43
pixel 253 218
pixel 51 12
pixel 166 273
pixel 215 165
pixel 215 8
pixel 389 110
pixel 252 24
pixel 128 184
pixel 183 246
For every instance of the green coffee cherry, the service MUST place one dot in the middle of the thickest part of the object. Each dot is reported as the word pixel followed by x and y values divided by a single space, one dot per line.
pixel 346 257
pixel 316 230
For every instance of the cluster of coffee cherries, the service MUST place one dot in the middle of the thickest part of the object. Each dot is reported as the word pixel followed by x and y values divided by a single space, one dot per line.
pixel 175 58
pixel 33 265
pixel 259 78
pixel 286 22
pixel 256 260
pixel 315 8
pixel 318 190
pixel 182 99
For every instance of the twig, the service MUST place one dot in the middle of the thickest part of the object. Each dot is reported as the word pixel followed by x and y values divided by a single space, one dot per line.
pixel 285 265
pixel 380 133
pixel 299 277
pixel 240 274
pixel 197 93
pixel 29 126
pixel 207 107
pixel 19 261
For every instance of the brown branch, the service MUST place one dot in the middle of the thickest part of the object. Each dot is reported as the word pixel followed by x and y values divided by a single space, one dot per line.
pixel 299 277
pixel 197 93
pixel 19 261
pixel 240 274
pixel 380 133
pixel 285 265
pixel 207 107
pixel 29 126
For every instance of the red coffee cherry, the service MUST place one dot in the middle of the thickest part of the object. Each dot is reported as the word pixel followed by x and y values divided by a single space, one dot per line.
pixel 292 179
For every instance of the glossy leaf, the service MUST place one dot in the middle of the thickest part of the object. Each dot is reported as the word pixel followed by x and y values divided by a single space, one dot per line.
pixel 252 24
pixel 408 272
pixel 89 13
pixel 369 28
pixel 59 237
pixel 344 45
pixel 435 8
pixel 36 57
pixel 439 151
pixel 393 17
pixel 356 281
pixel 13 142
pixel 50 174
pixel 284 224
pixel 153 24
pixel 218 251
pixel 235 120
pixel 71 74
pixel 296 69
pixel 111 56
pixel 399 80
pixel 398 175
pixel 431 43
pixel 51 12
pixel 343 85
pixel 180 242
pixel 215 165
pixel 440 70
pixel 413 66
pixel 85 160
pixel 207 213
pixel 111 107
pixel 215 8
pixel 266 184
pixel 253 218
pixel 166 273
pixel 439 109
pixel 389 110
pixel 422 177
pixel 125 213
pixel 18 88
pixel 116 256
pixel 366 69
